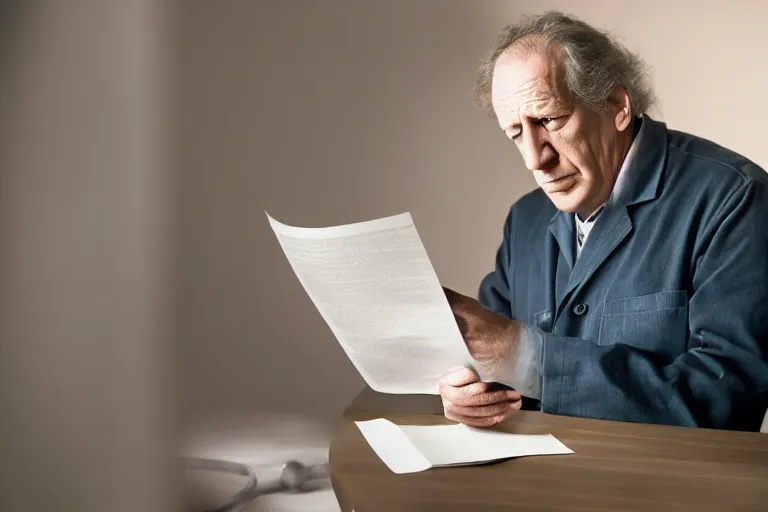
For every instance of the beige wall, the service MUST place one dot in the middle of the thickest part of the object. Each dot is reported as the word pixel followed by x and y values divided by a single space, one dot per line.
pixel 339 111
pixel 320 113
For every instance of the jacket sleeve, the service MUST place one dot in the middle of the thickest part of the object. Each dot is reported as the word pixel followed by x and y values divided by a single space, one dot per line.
pixel 721 381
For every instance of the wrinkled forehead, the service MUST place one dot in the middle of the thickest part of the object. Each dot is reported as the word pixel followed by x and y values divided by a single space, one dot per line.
pixel 525 85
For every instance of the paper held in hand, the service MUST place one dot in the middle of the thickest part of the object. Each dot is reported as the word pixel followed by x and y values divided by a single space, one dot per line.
pixel 375 287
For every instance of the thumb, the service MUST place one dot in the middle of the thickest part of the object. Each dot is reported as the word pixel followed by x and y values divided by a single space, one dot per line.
pixel 454 298
pixel 462 377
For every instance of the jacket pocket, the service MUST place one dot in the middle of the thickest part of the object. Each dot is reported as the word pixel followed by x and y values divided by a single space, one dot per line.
pixel 657 322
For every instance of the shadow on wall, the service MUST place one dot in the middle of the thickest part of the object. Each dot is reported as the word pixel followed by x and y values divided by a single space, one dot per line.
pixel 11 12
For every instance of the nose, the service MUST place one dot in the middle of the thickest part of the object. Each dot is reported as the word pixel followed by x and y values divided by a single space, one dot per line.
pixel 537 151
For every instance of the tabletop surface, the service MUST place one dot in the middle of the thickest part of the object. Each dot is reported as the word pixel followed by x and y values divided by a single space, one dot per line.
pixel 616 466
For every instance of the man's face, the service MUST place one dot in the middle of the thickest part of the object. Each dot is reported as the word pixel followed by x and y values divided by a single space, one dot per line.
pixel 573 151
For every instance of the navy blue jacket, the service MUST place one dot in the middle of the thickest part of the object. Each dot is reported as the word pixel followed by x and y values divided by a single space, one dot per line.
pixel 664 316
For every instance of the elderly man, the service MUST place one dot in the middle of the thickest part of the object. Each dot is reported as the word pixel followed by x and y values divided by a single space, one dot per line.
pixel 633 283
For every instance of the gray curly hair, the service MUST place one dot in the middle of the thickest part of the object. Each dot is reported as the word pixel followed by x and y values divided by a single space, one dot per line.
pixel 595 64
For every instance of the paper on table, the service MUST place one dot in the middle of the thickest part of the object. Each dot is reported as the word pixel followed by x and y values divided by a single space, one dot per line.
pixel 375 287
pixel 410 448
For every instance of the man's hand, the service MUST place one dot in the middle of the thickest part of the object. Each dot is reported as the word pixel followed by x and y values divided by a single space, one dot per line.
pixel 491 338
pixel 492 341
pixel 475 403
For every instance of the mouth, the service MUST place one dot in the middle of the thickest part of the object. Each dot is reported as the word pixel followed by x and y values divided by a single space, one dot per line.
pixel 561 184
pixel 560 179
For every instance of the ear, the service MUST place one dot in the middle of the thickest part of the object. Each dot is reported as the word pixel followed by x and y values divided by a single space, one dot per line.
pixel 621 109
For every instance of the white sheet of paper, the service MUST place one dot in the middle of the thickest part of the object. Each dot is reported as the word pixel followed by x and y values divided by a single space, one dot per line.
pixel 411 448
pixel 375 287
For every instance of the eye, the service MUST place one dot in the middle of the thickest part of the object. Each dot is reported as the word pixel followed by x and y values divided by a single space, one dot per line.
pixel 551 123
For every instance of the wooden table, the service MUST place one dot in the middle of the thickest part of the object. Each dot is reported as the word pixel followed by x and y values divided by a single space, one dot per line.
pixel 616 467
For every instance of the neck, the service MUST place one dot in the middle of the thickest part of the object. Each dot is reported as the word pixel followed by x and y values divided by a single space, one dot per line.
pixel 591 211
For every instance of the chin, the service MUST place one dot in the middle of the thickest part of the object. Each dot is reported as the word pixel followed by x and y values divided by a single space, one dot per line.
pixel 566 202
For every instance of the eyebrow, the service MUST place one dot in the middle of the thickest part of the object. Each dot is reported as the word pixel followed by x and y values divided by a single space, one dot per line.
pixel 537 113
pixel 551 104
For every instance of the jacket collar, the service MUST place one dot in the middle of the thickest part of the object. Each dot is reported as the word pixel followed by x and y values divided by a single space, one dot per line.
pixel 642 174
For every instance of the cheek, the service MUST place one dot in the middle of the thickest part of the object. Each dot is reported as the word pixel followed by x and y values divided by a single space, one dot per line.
pixel 567 154
pixel 574 153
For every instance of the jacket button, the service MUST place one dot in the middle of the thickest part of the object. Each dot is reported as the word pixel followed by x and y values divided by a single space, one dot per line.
pixel 580 309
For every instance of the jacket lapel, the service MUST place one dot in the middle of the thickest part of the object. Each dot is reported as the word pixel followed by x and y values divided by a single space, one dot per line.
pixel 561 227
pixel 607 234
pixel 562 257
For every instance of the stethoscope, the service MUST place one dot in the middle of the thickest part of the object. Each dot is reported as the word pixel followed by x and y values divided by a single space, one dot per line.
pixel 293 476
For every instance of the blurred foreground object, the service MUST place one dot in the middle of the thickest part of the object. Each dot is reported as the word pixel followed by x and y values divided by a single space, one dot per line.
pixel 213 485
pixel 85 391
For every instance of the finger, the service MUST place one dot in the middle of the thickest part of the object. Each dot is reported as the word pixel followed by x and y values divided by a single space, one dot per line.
pixel 476 422
pixel 475 394
pixel 483 411
pixel 459 378
pixel 478 393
